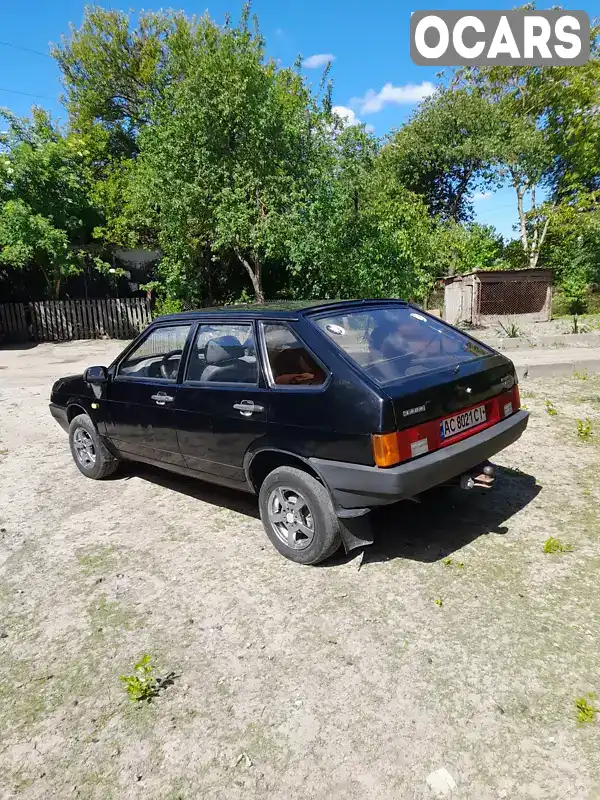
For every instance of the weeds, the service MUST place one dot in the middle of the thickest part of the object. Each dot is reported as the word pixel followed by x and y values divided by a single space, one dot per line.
pixel 576 327
pixel 553 545
pixel 550 410
pixel 142 685
pixel 439 603
pixel 509 329
pixel 581 376
pixel 450 562
pixel 584 429
pixel 585 711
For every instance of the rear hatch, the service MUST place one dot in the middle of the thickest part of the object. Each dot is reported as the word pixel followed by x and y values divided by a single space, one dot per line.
pixel 441 382
pixel 446 405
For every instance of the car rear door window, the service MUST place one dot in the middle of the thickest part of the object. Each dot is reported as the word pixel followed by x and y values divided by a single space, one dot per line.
pixel 223 353
pixel 290 363
pixel 395 342
pixel 158 355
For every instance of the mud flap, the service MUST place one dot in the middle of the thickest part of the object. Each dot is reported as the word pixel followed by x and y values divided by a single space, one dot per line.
pixel 355 527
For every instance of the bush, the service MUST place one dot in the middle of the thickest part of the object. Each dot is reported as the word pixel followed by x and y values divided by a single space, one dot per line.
pixel 166 305
pixel 561 303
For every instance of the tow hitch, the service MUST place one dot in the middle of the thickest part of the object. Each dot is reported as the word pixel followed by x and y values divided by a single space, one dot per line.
pixel 481 477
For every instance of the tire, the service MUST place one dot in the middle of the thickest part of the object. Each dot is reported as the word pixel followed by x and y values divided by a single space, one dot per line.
pixel 89 452
pixel 314 534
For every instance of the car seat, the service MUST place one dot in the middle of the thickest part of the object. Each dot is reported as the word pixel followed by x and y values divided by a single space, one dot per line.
pixel 224 362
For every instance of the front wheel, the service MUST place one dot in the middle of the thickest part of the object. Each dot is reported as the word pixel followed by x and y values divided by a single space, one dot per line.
pixel 298 516
pixel 89 452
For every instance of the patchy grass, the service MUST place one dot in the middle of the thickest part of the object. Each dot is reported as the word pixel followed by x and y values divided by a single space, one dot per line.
pixel 581 375
pixel 99 559
pixel 550 408
pixel 109 614
pixel 584 429
pixel 450 562
pixel 586 712
pixel 553 545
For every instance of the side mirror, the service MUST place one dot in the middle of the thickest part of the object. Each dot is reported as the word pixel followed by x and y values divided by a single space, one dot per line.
pixel 95 375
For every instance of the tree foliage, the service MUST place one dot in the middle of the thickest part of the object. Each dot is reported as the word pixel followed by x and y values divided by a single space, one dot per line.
pixel 443 153
pixel 114 72
pixel 46 213
pixel 184 136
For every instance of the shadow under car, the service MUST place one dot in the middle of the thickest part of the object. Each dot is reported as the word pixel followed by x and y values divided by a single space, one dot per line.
pixel 444 520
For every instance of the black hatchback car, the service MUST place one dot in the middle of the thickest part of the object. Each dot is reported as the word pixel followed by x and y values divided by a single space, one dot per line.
pixel 322 410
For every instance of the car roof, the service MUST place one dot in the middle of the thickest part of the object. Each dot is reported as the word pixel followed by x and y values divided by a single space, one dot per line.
pixel 286 309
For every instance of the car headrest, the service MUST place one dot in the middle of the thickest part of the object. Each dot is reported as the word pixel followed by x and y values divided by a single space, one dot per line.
pixel 222 349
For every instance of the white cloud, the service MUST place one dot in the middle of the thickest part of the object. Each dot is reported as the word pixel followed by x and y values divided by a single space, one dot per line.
pixel 390 94
pixel 482 196
pixel 346 114
pixel 318 60
pixel 350 118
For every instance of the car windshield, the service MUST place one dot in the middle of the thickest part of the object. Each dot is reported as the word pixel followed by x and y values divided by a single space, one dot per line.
pixel 395 342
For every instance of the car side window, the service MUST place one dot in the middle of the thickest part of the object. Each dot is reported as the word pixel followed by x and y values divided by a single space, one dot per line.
pixel 158 355
pixel 223 353
pixel 290 363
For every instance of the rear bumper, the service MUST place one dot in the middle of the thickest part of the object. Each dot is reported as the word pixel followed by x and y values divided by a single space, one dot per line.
pixel 60 415
pixel 360 486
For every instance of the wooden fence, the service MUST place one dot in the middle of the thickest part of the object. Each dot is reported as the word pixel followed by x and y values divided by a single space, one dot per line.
pixel 63 320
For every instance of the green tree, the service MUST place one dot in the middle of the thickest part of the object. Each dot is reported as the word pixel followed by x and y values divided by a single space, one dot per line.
pixel 520 147
pixel 46 216
pixel 547 136
pixel 464 248
pixel 443 153
pixel 114 70
pixel 227 154
pixel 361 235
pixel 571 97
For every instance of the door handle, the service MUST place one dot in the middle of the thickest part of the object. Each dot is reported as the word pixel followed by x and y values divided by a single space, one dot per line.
pixel 247 408
pixel 161 398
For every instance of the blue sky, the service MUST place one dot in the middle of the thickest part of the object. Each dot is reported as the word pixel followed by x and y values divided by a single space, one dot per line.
pixel 374 77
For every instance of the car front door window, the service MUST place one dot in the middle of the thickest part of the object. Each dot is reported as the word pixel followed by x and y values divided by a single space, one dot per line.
pixel 157 356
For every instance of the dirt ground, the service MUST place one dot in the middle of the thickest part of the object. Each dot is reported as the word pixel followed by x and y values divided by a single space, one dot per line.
pixel 294 682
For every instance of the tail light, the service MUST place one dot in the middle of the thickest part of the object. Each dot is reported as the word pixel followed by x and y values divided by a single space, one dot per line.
pixel 390 449
pixel 385 449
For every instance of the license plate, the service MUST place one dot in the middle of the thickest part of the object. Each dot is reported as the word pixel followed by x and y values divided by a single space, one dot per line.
pixel 452 426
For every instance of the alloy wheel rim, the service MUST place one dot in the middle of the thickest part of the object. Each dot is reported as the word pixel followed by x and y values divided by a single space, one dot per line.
pixel 291 518
pixel 84 448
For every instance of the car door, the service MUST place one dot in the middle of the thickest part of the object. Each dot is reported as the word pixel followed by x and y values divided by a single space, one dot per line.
pixel 303 416
pixel 221 403
pixel 142 395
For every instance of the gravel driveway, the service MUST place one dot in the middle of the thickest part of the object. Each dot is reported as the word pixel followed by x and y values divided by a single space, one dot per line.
pixel 289 681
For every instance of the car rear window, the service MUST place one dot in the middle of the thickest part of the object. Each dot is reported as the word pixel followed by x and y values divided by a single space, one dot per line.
pixel 395 342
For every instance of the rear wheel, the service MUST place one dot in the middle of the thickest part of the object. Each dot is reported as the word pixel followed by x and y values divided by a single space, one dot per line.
pixel 298 516
pixel 89 452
